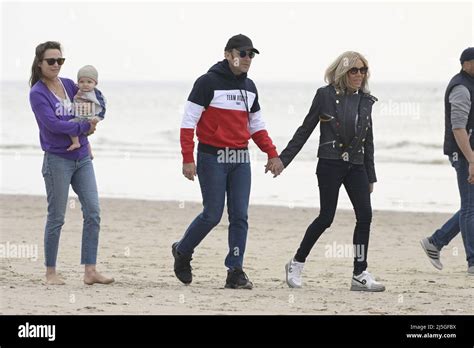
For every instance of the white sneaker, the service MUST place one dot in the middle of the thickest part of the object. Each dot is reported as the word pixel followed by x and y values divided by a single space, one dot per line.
pixel 470 270
pixel 432 252
pixel 366 282
pixel 293 273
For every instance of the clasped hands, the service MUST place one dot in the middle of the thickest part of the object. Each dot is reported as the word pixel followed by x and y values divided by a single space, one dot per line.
pixel 275 166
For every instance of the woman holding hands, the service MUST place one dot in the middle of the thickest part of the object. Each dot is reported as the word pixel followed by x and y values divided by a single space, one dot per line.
pixel 346 157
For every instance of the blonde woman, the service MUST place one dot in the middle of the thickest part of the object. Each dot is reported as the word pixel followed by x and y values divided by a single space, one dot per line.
pixel 346 157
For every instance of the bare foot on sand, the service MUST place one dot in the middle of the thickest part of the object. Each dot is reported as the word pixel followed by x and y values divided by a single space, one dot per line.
pixel 92 277
pixel 54 279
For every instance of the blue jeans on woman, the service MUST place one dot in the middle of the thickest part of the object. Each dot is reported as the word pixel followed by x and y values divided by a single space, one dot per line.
pixel 216 179
pixel 463 220
pixel 60 173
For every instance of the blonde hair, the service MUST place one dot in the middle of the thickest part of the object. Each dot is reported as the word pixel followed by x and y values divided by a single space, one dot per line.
pixel 336 73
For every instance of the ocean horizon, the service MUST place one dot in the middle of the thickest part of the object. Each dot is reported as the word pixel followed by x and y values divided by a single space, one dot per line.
pixel 137 149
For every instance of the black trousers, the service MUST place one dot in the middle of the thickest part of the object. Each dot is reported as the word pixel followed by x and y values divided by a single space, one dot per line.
pixel 331 175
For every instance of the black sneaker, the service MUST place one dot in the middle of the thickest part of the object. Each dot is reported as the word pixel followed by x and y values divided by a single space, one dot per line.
pixel 182 266
pixel 237 279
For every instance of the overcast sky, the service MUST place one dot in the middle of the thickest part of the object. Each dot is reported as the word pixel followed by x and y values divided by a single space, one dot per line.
pixel 179 41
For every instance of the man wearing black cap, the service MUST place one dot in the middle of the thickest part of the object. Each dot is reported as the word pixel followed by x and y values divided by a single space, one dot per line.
pixel 459 146
pixel 223 107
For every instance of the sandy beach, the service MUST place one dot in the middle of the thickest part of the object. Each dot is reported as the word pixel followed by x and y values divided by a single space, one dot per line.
pixel 135 241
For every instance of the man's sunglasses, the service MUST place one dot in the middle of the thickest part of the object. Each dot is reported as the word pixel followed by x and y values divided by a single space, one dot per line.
pixel 362 70
pixel 51 61
pixel 244 54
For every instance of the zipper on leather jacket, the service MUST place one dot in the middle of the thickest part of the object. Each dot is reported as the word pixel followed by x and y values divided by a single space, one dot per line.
pixel 329 142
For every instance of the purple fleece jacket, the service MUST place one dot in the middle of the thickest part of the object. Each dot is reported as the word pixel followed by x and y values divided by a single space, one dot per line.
pixel 54 128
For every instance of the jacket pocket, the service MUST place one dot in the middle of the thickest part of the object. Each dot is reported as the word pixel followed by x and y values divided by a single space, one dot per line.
pixel 326 117
pixel 215 131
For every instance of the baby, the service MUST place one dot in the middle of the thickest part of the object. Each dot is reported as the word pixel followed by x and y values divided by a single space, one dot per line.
pixel 89 103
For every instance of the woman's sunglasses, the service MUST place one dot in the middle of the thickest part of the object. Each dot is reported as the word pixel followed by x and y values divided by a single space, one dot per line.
pixel 51 61
pixel 244 54
pixel 362 70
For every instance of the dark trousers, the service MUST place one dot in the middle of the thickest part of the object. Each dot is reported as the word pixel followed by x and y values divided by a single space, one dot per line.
pixel 331 175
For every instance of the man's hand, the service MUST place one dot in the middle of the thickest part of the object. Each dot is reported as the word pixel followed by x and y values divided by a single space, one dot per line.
pixel 189 170
pixel 371 187
pixel 275 165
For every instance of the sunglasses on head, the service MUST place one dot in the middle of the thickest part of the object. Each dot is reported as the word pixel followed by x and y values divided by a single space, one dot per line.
pixel 51 61
pixel 362 70
pixel 244 54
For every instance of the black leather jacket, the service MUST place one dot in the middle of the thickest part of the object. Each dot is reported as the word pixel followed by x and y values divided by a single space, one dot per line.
pixel 327 107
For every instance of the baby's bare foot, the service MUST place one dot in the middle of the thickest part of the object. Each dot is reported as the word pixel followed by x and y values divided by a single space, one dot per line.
pixel 95 277
pixel 54 279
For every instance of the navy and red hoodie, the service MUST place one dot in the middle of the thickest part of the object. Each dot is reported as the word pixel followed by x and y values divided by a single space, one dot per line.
pixel 224 109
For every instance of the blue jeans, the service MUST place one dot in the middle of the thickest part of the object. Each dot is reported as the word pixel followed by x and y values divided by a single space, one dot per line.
pixel 463 220
pixel 58 174
pixel 216 179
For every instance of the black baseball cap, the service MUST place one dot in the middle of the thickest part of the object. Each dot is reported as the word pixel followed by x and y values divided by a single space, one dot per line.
pixel 240 42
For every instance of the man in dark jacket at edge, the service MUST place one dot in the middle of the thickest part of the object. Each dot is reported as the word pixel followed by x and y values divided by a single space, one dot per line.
pixel 459 146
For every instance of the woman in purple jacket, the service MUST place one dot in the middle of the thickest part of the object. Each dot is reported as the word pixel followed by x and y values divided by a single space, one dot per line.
pixel 50 99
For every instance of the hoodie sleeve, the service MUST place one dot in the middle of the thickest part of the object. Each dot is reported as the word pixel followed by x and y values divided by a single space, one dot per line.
pixel 198 100
pixel 258 132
